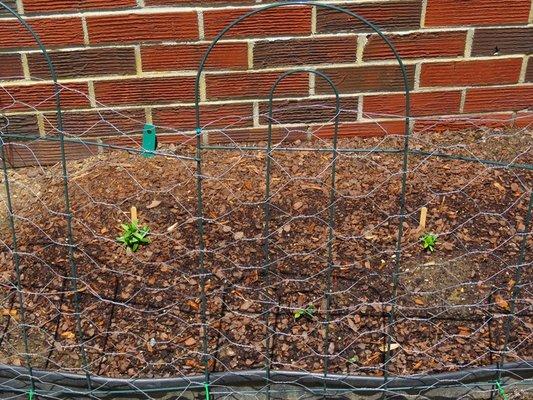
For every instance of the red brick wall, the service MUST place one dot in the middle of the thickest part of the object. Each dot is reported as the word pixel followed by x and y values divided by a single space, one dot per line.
pixel 468 59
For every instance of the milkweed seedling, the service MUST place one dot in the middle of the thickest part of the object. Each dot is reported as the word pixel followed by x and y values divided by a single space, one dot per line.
pixel 134 236
pixel 429 242
pixel 308 312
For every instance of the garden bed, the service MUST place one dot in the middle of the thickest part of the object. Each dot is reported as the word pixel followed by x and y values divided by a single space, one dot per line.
pixel 141 313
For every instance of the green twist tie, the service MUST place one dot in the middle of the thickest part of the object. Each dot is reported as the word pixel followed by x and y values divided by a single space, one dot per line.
pixel 206 387
pixel 501 390
pixel 31 394
pixel 198 131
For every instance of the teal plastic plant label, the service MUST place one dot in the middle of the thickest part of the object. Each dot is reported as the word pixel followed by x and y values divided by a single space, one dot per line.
pixel 149 143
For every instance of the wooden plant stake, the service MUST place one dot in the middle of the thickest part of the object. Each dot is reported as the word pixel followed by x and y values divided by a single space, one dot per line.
pixel 134 214
pixel 423 219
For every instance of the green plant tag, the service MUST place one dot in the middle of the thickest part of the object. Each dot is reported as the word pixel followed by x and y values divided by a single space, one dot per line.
pixel 207 395
pixel 501 391
pixel 149 144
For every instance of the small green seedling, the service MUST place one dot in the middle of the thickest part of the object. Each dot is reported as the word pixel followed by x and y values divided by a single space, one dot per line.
pixel 429 241
pixel 353 360
pixel 134 236
pixel 308 312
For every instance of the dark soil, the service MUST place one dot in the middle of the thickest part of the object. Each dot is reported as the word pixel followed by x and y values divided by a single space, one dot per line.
pixel 142 314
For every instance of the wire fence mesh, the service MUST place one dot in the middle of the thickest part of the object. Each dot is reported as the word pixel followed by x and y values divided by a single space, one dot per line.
pixel 284 260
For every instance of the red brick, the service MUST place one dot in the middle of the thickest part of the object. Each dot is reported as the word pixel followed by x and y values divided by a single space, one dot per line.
pixel 53 32
pixel 19 124
pixel 254 135
pixel 145 91
pixel 10 66
pixel 365 79
pixel 308 111
pixel 188 57
pixel 45 152
pixel 80 63
pixel 529 71
pixel 279 21
pixel 488 42
pixel 211 117
pixel 305 51
pixel 11 4
pixel 143 27
pixel 41 97
pixel 48 6
pixel 470 73
pixel 134 141
pixel 254 85
pixel 397 15
pixel 463 122
pixel 422 104
pixel 501 99
pixel 477 12
pixel 362 129
pixel 197 2
pixel 417 45
pixel 524 119
pixel 97 123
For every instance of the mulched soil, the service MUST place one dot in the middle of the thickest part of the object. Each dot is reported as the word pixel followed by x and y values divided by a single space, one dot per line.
pixel 141 314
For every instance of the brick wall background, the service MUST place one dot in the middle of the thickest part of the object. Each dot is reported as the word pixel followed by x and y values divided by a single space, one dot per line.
pixel 126 62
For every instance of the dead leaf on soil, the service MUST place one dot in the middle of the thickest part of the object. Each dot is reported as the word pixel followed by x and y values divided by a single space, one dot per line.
pixel 153 204
pixel 68 335
pixel 501 302
pixel 393 346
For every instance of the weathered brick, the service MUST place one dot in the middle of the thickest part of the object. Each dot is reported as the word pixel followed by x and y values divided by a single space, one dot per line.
pixel 523 119
pixel 395 15
pixel 422 104
pixel 142 27
pixel 471 73
pixel 145 91
pixel 365 79
pixel 211 117
pixel 198 2
pixel 362 129
pixel 253 135
pixel 488 42
pixel 305 51
pixel 188 57
pixel 477 12
pixel 41 97
pixel 529 71
pixel 97 123
pixel 499 99
pixel 19 124
pixel 274 22
pixel 49 6
pixel 463 122
pixel 11 4
pixel 10 66
pixel 255 85
pixel 417 45
pixel 53 32
pixel 45 152
pixel 308 111
pixel 79 63
pixel 136 140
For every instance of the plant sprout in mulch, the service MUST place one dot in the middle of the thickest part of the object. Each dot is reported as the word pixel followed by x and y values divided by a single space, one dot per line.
pixel 133 236
pixel 307 312
pixel 429 242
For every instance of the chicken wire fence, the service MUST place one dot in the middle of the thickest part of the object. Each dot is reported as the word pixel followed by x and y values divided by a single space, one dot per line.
pixel 301 265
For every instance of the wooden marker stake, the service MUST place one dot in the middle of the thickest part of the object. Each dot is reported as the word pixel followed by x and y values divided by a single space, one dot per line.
pixel 423 218
pixel 134 214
